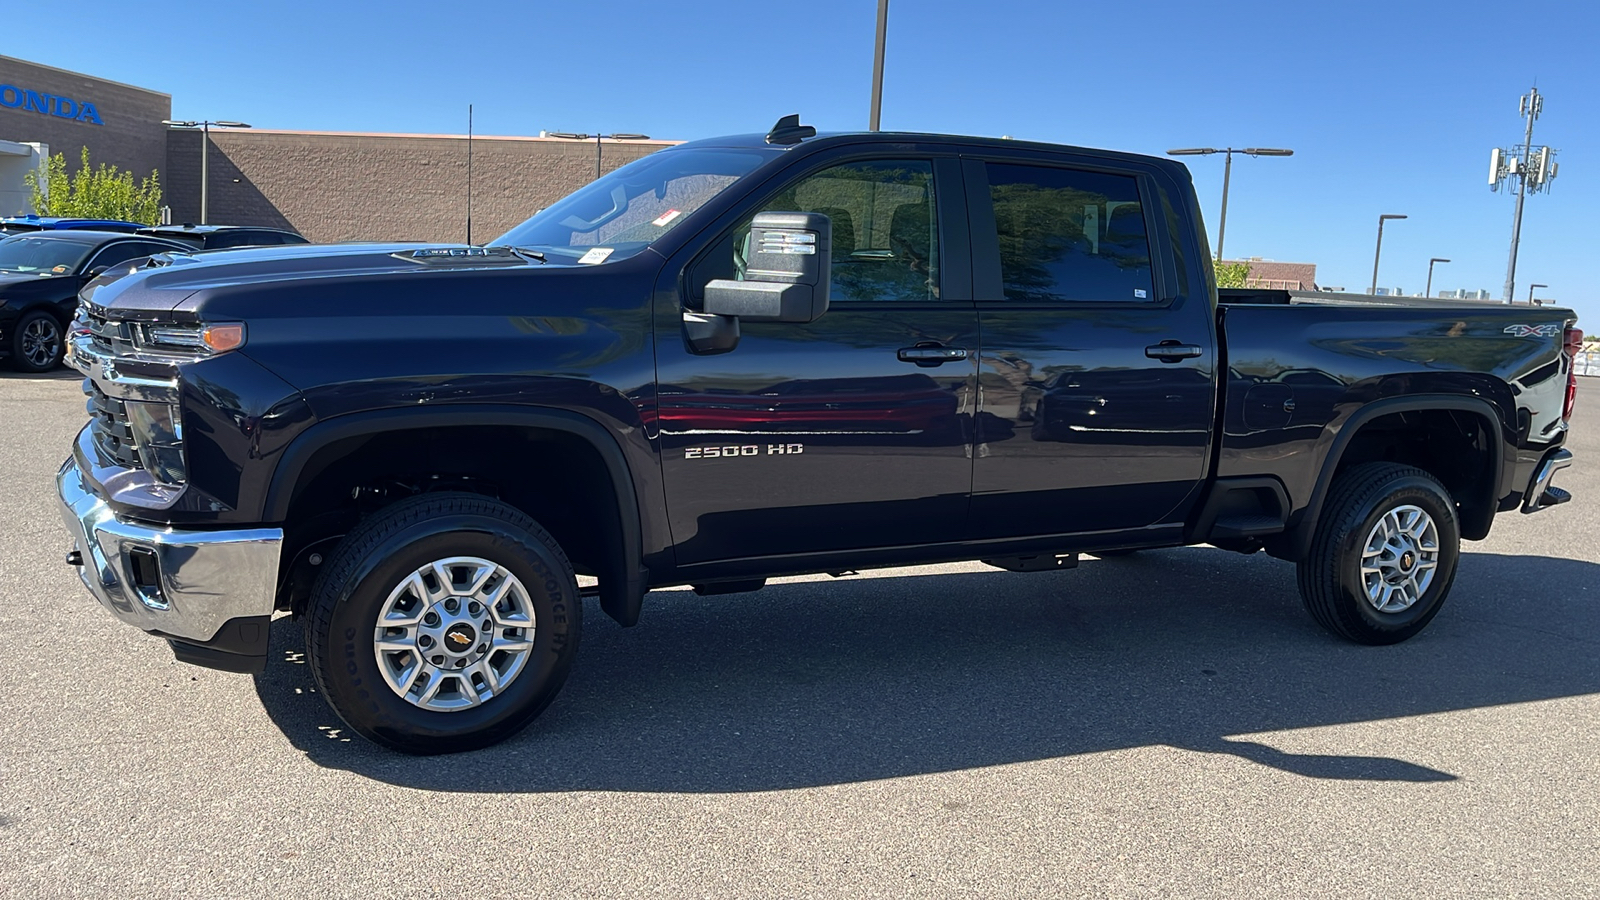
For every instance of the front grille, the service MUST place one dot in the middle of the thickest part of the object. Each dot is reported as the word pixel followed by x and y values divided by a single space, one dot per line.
pixel 108 425
pixel 109 337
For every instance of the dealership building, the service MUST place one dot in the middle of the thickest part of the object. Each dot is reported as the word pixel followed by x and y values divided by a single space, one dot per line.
pixel 328 186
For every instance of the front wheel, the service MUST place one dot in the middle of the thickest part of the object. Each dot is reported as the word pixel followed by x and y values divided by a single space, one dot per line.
pixel 445 623
pixel 1384 554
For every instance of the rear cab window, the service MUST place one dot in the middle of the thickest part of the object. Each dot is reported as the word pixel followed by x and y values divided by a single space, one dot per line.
pixel 1070 235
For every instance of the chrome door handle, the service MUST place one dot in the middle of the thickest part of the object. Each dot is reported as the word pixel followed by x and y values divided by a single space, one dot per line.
pixel 1173 351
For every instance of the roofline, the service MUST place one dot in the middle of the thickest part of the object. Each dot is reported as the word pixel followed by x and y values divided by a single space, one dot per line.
pixel 71 233
pixel 395 134
pixel 124 84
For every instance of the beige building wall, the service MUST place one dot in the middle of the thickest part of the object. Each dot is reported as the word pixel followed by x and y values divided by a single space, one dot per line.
pixel 336 186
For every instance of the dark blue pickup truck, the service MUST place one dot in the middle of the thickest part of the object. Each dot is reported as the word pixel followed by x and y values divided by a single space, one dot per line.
pixel 758 356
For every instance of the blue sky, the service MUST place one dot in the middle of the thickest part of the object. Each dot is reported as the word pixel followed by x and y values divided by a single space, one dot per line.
pixel 1391 107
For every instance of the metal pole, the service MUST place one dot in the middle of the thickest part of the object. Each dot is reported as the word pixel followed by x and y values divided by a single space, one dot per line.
pixel 1428 291
pixel 469 173
pixel 597 155
pixel 1222 226
pixel 205 147
pixel 1522 190
pixel 877 66
pixel 1375 254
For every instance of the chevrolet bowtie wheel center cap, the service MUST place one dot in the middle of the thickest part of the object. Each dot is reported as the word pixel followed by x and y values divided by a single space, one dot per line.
pixel 454 633
pixel 1399 558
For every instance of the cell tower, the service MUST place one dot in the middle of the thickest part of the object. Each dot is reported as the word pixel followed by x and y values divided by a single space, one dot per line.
pixel 1533 168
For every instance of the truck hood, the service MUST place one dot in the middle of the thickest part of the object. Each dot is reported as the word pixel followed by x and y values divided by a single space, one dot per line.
pixel 160 288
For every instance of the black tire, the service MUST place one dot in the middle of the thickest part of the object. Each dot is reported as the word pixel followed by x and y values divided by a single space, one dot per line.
pixel 1331 581
pixel 376 557
pixel 38 342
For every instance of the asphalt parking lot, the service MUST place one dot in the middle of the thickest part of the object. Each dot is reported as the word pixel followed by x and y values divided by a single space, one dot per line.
pixel 1168 724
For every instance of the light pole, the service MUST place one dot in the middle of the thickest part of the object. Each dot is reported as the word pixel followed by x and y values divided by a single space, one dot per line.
pixel 877 65
pixel 205 146
pixel 1227 174
pixel 1379 252
pixel 1530 292
pixel 620 136
pixel 1427 291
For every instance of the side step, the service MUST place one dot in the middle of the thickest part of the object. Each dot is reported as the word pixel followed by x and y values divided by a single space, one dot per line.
pixel 1048 562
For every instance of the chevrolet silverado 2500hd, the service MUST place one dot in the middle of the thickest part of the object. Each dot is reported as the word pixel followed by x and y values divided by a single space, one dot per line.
pixel 757 356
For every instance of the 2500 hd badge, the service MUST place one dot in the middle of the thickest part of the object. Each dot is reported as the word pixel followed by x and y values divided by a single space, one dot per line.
pixel 742 450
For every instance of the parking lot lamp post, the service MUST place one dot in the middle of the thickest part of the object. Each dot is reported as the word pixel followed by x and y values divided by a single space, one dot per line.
pixel 205 145
pixel 1227 174
pixel 1530 291
pixel 1379 252
pixel 619 136
pixel 1428 291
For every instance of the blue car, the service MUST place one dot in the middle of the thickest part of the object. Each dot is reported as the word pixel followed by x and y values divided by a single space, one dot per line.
pixel 24 224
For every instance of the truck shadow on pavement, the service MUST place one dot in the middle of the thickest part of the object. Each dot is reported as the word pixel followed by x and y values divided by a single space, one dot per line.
pixel 863 678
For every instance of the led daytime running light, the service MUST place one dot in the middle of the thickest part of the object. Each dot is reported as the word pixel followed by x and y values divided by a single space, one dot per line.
pixel 218 338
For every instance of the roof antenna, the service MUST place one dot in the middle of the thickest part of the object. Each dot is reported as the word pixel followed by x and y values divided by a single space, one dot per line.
pixel 788 130
pixel 469 173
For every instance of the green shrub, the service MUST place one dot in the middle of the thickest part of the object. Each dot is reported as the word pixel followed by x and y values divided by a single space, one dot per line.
pixel 94 193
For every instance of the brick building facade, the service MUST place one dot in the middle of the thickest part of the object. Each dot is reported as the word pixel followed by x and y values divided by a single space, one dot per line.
pixel 329 186
pixel 334 186
pixel 1274 275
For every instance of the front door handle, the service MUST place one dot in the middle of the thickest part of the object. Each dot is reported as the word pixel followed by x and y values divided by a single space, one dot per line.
pixel 929 353
pixel 1172 351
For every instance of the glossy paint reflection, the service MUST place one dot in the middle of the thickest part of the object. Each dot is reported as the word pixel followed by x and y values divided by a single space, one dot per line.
pixel 836 443
pixel 1078 430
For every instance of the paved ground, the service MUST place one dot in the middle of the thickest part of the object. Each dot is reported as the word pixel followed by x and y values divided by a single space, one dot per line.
pixel 1167 724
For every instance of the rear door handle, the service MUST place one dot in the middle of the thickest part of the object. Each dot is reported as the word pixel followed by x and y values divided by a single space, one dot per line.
pixel 931 354
pixel 1173 351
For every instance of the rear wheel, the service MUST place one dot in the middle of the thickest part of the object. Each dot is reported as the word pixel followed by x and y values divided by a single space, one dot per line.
pixel 37 344
pixel 445 623
pixel 1384 554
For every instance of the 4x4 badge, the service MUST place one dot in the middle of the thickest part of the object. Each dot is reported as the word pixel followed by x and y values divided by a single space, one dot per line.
pixel 1533 330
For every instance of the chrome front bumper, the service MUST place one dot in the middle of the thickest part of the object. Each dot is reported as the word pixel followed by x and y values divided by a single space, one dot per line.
pixel 193 582
pixel 1540 493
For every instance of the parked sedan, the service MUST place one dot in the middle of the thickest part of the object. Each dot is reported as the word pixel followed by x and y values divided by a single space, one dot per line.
pixel 40 276
pixel 224 237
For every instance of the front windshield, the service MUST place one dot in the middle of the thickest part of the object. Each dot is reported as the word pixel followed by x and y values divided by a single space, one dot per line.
pixel 619 214
pixel 41 255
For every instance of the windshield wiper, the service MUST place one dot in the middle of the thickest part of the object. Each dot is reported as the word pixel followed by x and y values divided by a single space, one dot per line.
pixel 525 253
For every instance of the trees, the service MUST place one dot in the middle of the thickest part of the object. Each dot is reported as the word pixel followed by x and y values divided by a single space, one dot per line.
pixel 94 193
pixel 1231 275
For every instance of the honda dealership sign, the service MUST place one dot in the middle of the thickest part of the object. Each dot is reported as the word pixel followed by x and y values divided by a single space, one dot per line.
pixel 14 97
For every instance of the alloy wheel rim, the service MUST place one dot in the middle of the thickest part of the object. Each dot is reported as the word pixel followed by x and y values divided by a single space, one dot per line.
pixel 1399 559
pixel 454 634
pixel 41 339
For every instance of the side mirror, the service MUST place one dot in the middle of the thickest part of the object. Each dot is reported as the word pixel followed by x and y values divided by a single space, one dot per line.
pixel 97 271
pixel 786 274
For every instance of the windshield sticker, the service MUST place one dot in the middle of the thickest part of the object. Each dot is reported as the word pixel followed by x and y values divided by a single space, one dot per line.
pixel 595 256
pixel 665 218
pixel 1140 293
pixel 59 270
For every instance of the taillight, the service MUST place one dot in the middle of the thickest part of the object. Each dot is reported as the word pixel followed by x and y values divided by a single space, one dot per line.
pixel 1571 344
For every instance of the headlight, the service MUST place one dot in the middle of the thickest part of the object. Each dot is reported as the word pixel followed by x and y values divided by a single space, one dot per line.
pixel 219 337
pixel 158 435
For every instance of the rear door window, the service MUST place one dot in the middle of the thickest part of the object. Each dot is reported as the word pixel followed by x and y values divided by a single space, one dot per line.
pixel 1070 235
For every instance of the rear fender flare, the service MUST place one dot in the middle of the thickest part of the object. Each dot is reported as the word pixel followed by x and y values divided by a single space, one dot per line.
pixel 1299 537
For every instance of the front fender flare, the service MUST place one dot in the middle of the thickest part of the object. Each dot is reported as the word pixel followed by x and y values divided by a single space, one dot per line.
pixel 622 588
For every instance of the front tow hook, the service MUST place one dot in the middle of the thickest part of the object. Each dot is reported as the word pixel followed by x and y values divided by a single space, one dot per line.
pixel 74 558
